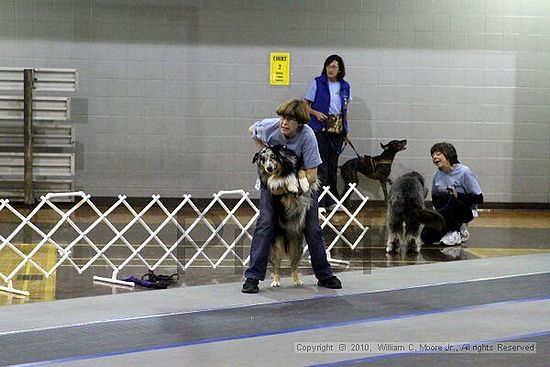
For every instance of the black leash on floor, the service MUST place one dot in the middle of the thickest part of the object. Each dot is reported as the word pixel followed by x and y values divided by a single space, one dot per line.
pixel 161 280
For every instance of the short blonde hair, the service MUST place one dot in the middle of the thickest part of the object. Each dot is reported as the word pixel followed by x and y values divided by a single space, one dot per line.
pixel 295 109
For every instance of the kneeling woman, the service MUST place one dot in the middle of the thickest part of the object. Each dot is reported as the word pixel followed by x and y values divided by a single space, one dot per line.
pixel 455 195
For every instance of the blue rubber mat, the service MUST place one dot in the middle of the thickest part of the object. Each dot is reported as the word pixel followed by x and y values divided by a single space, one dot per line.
pixel 538 359
pixel 206 326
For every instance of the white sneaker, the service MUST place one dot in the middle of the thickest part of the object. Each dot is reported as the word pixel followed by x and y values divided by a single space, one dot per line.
pixel 464 234
pixel 451 238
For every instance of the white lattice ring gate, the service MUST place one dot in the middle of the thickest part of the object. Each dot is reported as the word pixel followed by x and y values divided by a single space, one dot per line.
pixel 352 219
pixel 187 234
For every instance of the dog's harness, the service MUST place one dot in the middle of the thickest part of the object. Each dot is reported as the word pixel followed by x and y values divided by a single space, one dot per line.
pixel 382 161
pixel 372 163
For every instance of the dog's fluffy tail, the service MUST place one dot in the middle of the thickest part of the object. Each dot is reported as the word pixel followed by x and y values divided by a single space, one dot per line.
pixel 431 218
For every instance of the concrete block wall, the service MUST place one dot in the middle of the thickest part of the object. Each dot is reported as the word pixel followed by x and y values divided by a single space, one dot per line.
pixel 168 88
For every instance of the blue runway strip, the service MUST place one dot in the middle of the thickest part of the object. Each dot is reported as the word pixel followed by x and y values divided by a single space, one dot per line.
pixel 363 360
pixel 174 331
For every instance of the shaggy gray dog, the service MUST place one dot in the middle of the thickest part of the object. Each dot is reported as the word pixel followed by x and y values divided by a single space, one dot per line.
pixel 406 205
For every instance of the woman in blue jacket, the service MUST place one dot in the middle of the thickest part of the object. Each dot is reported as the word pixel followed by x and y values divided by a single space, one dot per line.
pixel 328 97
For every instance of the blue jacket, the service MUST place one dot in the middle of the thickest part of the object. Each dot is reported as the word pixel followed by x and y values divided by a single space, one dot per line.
pixel 322 101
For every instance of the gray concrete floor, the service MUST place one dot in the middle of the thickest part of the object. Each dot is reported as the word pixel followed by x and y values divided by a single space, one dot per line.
pixel 495 233
pixel 497 238
pixel 517 320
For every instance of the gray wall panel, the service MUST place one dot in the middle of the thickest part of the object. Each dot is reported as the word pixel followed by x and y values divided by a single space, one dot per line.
pixel 167 89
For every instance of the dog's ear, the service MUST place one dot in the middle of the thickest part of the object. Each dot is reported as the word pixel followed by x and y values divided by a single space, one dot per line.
pixel 256 157
pixel 383 146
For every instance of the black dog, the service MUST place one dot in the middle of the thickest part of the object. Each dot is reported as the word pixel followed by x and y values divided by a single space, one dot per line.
pixel 406 205
pixel 376 168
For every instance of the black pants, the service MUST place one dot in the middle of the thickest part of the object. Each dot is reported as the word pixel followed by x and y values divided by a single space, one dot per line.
pixel 453 210
pixel 330 146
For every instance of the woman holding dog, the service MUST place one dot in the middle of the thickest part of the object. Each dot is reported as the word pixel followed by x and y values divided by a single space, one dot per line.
pixel 455 195
pixel 290 130
pixel 328 97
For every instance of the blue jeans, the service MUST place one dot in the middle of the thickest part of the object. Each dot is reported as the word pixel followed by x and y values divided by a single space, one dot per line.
pixel 264 233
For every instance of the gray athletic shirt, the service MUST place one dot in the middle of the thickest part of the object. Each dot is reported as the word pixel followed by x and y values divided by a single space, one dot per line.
pixel 461 178
pixel 304 144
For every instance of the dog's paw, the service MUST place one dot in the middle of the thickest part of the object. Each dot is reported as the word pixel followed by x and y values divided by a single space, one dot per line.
pixel 298 283
pixel 392 246
pixel 275 283
pixel 293 189
pixel 304 184
pixel 413 246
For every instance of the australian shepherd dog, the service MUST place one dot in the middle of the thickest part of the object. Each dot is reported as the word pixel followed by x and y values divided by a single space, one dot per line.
pixel 280 170
pixel 406 206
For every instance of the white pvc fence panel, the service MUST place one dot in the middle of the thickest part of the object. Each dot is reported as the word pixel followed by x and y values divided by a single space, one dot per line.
pixel 190 229
pixel 43 165
pixel 352 219
pixel 46 79
pixel 45 135
pixel 13 187
pixel 44 108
